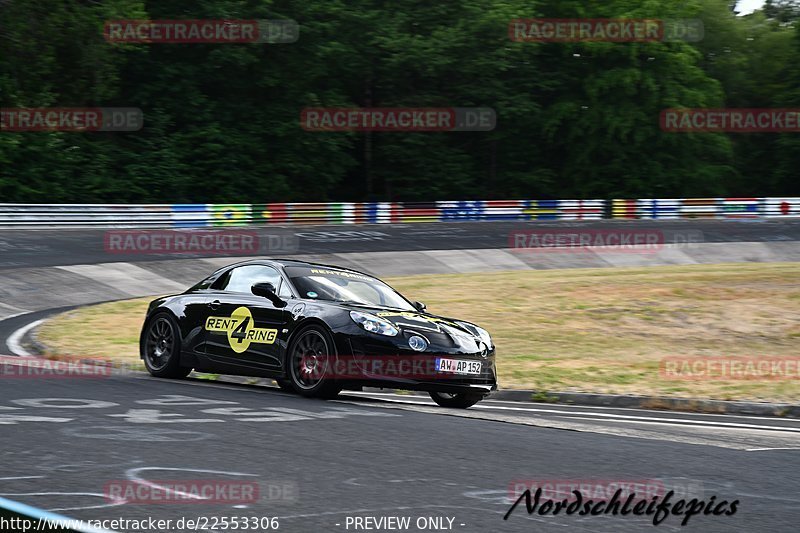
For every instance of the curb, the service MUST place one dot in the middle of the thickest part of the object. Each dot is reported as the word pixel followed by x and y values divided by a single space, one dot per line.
pixel 652 402
pixel 660 403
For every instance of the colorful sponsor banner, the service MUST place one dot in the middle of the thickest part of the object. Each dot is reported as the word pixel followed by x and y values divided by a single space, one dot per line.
pixel 680 208
pixel 190 215
pixel 780 207
pixel 231 214
pixel 699 208
pixel 740 207
pixel 461 210
pixel 383 212
pixel 659 208
pixel 504 210
pixel 542 209
pixel 581 209
pixel 271 213
pixel 227 215
pixel 419 212
pixel 624 209
pixel 310 213
pixel 343 213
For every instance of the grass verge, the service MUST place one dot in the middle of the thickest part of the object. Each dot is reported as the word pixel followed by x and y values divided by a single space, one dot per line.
pixel 589 330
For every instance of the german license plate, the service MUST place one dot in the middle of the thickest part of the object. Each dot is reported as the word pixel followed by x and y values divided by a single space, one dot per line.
pixel 457 366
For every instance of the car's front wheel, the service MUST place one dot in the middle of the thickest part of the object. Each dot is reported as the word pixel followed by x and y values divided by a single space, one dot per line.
pixel 285 385
pixel 461 400
pixel 310 358
pixel 161 348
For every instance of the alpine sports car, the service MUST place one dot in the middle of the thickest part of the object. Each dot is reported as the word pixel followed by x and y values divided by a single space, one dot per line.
pixel 317 330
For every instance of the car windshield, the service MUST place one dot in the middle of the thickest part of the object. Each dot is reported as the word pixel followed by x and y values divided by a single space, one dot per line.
pixel 343 286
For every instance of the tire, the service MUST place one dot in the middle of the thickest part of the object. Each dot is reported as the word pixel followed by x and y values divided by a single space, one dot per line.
pixel 460 400
pixel 312 344
pixel 160 347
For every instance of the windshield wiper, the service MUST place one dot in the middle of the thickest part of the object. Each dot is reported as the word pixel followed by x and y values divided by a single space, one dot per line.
pixel 353 302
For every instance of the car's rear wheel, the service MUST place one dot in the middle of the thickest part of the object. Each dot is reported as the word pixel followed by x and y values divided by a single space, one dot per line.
pixel 161 348
pixel 461 400
pixel 311 357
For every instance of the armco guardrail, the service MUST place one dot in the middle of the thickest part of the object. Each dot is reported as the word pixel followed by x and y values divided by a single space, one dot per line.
pixel 211 215
pixel 203 215
pixel 706 208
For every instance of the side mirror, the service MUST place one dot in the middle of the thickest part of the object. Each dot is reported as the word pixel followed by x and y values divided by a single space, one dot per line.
pixel 421 307
pixel 267 290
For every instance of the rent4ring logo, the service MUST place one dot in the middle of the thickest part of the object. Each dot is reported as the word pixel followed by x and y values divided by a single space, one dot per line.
pixel 240 330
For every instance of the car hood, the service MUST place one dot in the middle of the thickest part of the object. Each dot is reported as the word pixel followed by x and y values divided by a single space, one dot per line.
pixel 414 320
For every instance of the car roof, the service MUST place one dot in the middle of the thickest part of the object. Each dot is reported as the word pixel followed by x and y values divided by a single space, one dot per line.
pixel 292 263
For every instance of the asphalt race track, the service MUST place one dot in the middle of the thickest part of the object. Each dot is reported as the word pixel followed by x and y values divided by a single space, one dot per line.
pixel 319 466
pixel 36 248
pixel 318 463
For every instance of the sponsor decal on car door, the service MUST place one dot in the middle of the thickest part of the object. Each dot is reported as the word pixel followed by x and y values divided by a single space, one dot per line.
pixel 246 334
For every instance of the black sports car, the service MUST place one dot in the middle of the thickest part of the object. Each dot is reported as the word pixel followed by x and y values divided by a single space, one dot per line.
pixel 316 329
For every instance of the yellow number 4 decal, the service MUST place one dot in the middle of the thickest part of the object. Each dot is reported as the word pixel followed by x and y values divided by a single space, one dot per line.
pixel 239 329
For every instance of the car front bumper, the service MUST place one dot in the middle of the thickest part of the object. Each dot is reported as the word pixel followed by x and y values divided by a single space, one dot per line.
pixel 388 362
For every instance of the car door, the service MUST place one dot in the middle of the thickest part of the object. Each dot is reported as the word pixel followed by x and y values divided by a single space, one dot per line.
pixel 245 330
pixel 196 310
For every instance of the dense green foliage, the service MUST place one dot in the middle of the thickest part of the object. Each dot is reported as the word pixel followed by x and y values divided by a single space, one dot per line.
pixel 222 121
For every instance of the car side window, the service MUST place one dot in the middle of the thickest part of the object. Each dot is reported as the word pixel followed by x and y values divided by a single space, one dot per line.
pixel 284 291
pixel 205 284
pixel 241 279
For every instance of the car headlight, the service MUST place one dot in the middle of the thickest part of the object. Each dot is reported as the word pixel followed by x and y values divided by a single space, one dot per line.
pixel 373 324
pixel 479 331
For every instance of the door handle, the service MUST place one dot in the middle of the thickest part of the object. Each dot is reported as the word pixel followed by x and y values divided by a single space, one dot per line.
pixel 214 305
